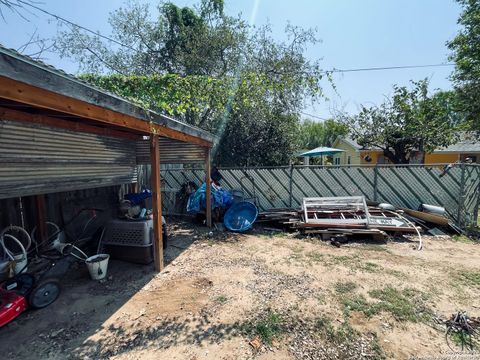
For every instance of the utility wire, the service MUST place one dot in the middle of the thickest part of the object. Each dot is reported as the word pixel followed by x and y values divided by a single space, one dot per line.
pixel 334 70
pixel 76 25
pixel 314 116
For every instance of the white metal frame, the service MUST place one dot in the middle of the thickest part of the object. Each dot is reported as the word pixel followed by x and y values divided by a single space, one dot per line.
pixel 342 202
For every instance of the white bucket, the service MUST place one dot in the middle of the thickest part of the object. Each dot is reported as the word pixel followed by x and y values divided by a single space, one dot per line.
pixel 97 266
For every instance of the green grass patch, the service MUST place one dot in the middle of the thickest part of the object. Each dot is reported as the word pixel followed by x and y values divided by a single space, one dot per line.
pixel 222 299
pixel 343 259
pixel 345 287
pixel 395 273
pixel 369 267
pixel 321 298
pixel 344 337
pixel 405 305
pixel 469 278
pixel 269 327
pixel 355 263
pixel 315 257
pixel 462 239
pixel 359 303
pixel 352 262
pixel 273 235
pixel 463 341
pixel 373 247
pixel 344 333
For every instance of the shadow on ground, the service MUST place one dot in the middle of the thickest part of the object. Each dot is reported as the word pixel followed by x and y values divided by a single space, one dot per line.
pixel 161 334
pixel 85 305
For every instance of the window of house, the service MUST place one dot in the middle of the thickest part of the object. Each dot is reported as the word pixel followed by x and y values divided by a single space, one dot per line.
pixel 348 160
pixel 336 161
pixel 472 158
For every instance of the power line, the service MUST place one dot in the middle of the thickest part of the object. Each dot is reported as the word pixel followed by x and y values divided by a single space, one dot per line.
pixel 58 17
pixel 314 116
pixel 334 70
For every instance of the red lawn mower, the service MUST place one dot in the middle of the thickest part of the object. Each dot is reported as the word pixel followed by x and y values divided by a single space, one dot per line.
pixel 39 287
pixel 24 291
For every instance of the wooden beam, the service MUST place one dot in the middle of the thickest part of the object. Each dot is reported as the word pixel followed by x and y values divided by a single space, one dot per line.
pixel 34 96
pixel 9 114
pixel 208 189
pixel 156 202
pixel 40 212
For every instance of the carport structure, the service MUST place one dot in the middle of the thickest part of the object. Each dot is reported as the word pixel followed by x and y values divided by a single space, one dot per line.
pixel 58 133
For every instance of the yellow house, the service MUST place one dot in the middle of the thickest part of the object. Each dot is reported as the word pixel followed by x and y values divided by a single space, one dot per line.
pixel 355 154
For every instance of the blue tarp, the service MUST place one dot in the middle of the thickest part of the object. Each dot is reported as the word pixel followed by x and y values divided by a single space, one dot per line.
pixel 220 198
pixel 137 198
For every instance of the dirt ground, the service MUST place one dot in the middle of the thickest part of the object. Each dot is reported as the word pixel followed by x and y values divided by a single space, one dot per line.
pixel 297 298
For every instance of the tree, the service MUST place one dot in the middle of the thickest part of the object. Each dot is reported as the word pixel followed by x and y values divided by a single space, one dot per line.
pixel 410 121
pixel 466 54
pixel 208 70
pixel 181 40
pixel 314 134
pixel 253 131
pixel 16 6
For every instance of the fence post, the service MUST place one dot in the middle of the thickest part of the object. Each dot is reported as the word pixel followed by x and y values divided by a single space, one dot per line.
pixel 375 183
pixel 461 197
pixel 290 186
pixel 477 206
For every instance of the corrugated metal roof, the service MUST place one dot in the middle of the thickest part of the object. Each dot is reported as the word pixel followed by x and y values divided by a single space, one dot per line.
pixel 22 68
pixel 39 159
pixel 171 152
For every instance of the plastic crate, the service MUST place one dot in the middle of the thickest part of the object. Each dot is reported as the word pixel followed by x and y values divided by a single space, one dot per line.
pixel 135 254
pixel 128 233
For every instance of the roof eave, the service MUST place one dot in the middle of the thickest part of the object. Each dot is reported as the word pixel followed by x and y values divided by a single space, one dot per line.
pixel 25 70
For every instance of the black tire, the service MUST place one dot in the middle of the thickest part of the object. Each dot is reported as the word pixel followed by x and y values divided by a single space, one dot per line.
pixel 44 293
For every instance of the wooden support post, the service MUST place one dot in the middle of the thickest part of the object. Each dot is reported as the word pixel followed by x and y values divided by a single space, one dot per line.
pixel 135 187
pixel 156 202
pixel 208 192
pixel 41 210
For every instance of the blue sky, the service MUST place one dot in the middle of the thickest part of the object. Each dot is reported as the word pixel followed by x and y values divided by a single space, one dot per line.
pixel 354 33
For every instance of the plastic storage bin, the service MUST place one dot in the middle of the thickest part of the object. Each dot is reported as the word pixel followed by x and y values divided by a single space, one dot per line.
pixel 128 232
pixel 130 241
pixel 133 254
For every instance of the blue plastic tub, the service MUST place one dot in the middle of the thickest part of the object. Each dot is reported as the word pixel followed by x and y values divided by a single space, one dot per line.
pixel 240 216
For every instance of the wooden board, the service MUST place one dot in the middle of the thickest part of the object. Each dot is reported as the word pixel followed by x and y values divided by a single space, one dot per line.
pixel 431 218
pixel 10 114
pixel 39 97
pixel 156 203
pixel 208 189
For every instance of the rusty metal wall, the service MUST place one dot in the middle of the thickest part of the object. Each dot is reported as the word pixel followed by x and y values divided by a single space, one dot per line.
pixel 171 152
pixel 62 207
pixel 404 186
pixel 39 159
